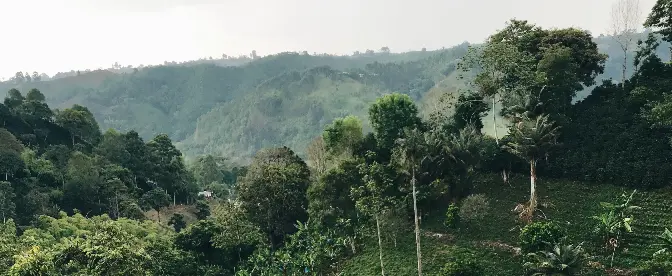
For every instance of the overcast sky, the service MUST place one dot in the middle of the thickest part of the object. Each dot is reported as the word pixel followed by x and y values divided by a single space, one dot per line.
pixel 59 35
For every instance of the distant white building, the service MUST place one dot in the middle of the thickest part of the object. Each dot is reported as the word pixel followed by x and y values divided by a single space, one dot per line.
pixel 206 194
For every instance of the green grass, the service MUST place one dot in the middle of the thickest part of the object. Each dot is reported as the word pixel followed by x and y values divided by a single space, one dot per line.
pixel 569 203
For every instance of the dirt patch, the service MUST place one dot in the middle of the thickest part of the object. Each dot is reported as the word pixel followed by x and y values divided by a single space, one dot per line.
pixel 501 246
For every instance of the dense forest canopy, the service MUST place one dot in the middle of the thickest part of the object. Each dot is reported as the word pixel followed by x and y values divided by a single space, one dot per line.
pixel 539 152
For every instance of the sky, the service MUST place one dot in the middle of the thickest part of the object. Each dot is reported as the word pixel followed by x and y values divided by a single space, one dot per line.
pixel 50 36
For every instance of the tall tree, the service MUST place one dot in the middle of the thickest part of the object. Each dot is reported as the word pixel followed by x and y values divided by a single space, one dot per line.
pixel 155 199
pixel 80 122
pixel 375 196
pixel 660 19
pixel 7 206
pixel 342 136
pixel 273 192
pixel 625 22
pixel 531 139
pixel 389 116
pixel 410 153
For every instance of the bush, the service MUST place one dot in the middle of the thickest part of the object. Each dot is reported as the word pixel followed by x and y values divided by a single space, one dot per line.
pixel 539 236
pixel 474 207
pixel 462 263
pixel 560 260
pixel 659 265
pixel 452 216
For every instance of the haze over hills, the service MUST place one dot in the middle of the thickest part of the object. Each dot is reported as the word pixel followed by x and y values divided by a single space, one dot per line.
pixel 235 106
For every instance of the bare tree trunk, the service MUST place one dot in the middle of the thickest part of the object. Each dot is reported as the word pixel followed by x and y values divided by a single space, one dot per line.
pixel 380 246
pixel 417 225
pixel 158 215
pixel 533 190
pixel 174 198
pixel 494 118
pixel 625 66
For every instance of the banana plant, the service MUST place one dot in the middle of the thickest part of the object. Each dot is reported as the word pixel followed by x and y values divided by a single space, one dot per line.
pixel 666 239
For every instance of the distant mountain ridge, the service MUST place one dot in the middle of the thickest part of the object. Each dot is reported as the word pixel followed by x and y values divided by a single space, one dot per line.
pixel 283 99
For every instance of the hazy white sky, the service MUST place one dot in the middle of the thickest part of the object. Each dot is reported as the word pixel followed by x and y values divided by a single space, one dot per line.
pixel 59 35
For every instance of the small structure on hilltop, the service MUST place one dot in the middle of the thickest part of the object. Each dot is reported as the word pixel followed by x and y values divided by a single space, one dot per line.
pixel 206 194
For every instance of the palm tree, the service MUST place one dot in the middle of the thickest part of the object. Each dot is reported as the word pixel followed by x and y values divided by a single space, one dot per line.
pixel 531 138
pixel 410 152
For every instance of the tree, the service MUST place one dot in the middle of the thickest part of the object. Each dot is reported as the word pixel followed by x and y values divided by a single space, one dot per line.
pixel 273 192
pixel 9 141
pixel 343 135
pixel 156 199
pixel 537 70
pixel 177 221
pixel 206 171
pixel 660 19
pixel 317 156
pixel 35 95
pixel 203 210
pixel 14 99
pixel 375 196
pixel 330 204
pixel 168 169
pixel 625 22
pixel 79 121
pixel 469 111
pixel 410 153
pixel 531 139
pixel 389 116
pixel 10 162
pixel 7 206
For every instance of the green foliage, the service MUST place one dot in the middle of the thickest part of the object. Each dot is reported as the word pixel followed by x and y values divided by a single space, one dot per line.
pixel 452 216
pixel 202 209
pixel 155 199
pixel 560 260
pixel 531 138
pixel 615 219
pixel 390 116
pixel 177 221
pixel 660 19
pixel 462 263
pixel 469 111
pixel 79 121
pixel 343 135
pixel 7 198
pixel 539 236
pixel 474 208
pixel 273 191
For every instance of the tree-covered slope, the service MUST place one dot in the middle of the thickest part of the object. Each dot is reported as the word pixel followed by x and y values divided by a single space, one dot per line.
pixel 284 99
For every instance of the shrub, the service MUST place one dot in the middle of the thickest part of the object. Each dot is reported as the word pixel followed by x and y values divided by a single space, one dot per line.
pixel 539 236
pixel 659 265
pixel 452 216
pixel 462 263
pixel 560 260
pixel 474 207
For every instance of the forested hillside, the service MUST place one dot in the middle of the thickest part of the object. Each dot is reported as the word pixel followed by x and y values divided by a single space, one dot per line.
pixel 209 106
pixel 404 183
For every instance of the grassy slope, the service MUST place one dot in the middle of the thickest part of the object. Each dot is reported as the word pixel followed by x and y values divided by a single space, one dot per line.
pixel 494 237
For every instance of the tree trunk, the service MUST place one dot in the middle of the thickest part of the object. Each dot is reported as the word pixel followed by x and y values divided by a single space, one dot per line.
pixel 625 66
pixel 494 118
pixel 380 246
pixel 158 216
pixel 174 198
pixel 72 136
pixel 533 186
pixel 6 176
pixel 417 225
